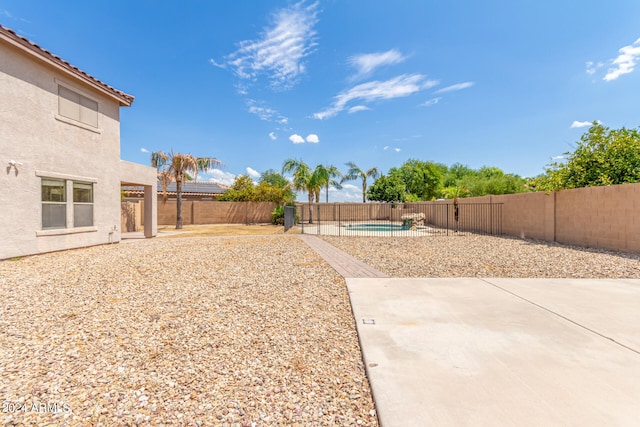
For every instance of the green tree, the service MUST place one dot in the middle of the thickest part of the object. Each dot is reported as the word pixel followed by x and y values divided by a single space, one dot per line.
pixel 389 189
pixel 491 180
pixel 276 179
pixel 326 177
pixel 456 172
pixel 303 180
pixel 177 167
pixel 603 156
pixel 423 180
pixel 244 190
pixel 355 172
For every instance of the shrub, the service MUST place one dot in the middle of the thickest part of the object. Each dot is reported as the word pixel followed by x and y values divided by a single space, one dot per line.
pixel 277 216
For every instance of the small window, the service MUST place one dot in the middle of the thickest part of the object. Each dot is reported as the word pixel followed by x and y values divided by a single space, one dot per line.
pixel 77 107
pixel 54 206
pixel 82 204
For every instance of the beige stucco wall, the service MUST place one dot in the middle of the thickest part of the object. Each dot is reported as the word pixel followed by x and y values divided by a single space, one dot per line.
pixel 47 145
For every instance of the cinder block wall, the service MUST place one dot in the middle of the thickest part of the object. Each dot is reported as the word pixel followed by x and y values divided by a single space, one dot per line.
pixel 600 217
pixel 212 212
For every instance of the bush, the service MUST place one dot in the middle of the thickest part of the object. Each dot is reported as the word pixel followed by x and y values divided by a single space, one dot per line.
pixel 277 216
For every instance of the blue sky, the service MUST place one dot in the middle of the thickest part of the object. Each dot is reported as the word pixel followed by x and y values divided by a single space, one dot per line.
pixel 506 84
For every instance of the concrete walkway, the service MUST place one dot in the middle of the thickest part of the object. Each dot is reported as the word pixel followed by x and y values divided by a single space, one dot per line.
pixel 496 352
pixel 501 352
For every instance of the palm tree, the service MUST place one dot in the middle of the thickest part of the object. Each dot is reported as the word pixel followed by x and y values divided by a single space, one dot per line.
pixel 179 167
pixel 355 172
pixel 303 179
pixel 326 175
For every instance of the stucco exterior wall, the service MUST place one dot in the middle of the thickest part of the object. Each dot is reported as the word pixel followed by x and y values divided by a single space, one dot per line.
pixel 47 145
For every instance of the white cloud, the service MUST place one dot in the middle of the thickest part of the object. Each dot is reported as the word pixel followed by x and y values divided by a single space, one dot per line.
pixel 625 62
pixel 313 138
pixel 593 67
pixel 430 102
pixel 280 50
pixel 397 150
pixel 457 86
pixel 296 139
pixel 386 147
pixel 366 63
pixel 253 173
pixel 222 177
pixel 265 113
pixel 577 124
pixel 144 150
pixel 403 85
pixel 273 136
pixel 558 157
pixel 358 108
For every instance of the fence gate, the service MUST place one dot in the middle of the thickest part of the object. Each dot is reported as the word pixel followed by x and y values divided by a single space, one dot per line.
pixel 289 217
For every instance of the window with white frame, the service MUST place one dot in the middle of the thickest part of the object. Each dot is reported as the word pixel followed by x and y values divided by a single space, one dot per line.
pixel 77 107
pixel 82 204
pixel 54 203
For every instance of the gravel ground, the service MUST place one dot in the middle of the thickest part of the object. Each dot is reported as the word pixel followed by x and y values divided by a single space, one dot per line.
pixel 247 331
pixel 472 255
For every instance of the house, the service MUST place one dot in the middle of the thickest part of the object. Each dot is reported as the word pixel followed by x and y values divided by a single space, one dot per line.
pixel 191 190
pixel 61 172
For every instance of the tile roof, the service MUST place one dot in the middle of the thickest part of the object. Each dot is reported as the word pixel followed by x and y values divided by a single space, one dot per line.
pixel 29 46
pixel 188 188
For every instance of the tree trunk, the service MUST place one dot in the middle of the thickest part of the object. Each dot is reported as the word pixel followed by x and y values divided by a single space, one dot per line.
pixel 327 193
pixel 364 191
pixel 310 208
pixel 178 205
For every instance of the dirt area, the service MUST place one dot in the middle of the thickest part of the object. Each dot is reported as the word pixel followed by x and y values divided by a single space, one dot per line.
pixel 224 230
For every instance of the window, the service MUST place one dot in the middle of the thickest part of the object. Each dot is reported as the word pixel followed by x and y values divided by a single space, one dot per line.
pixel 82 204
pixel 54 206
pixel 74 106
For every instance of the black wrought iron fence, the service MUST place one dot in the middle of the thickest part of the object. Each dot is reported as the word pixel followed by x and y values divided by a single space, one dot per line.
pixel 408 219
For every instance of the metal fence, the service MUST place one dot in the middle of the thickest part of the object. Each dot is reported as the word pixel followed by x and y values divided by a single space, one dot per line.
pixel 400 220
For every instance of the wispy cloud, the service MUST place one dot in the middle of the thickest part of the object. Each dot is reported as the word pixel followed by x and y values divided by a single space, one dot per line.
pixel 593 67
pixel 265 113
pixel 296 139
pixel 367 63
pixel 313 138
pixel 358 108
pixel 578 124
pixel 401 86
pixel 396 149
pixel 273 136
pixel 625 62
pixel 430 102
pixel 144 150
pixel 457 86
pixel 558 157
pixel 253 173
pixel 6 14
pixel 280 50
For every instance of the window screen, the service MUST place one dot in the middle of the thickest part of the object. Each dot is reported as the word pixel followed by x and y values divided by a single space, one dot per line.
pixel 54 207
pixel 77 107
pixel 82 204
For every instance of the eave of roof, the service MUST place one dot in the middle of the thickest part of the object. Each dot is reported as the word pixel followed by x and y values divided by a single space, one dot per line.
pixel 28 46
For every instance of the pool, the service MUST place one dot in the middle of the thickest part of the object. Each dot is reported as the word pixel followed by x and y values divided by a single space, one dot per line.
pixel 375 227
